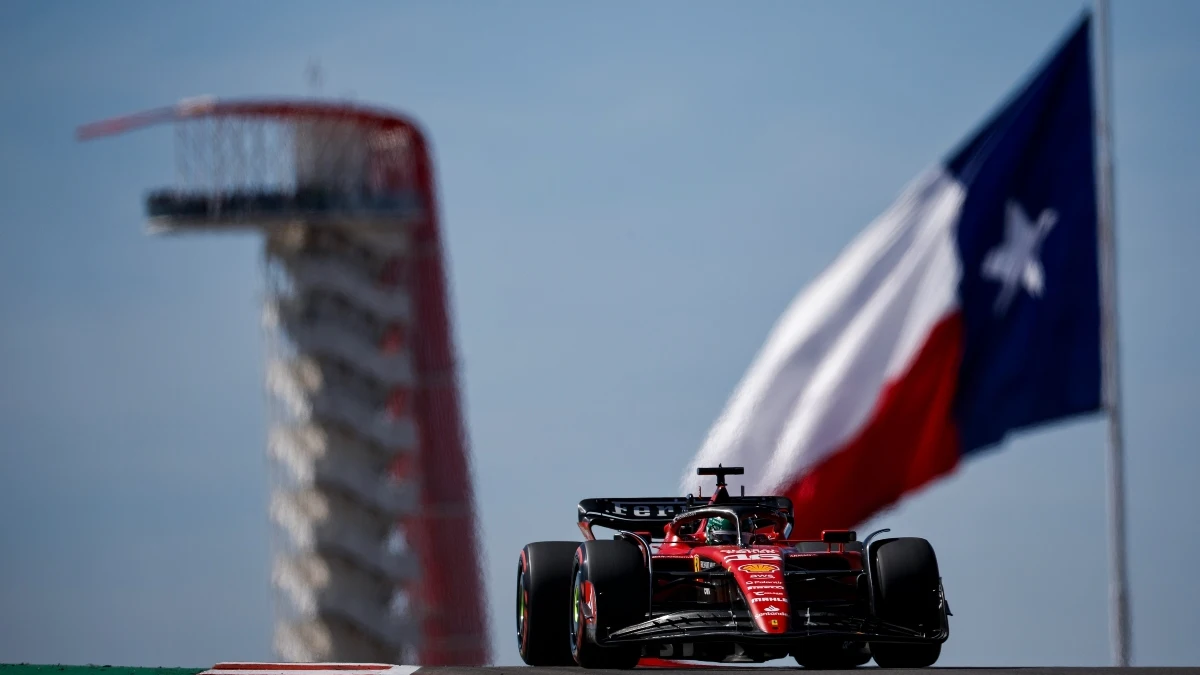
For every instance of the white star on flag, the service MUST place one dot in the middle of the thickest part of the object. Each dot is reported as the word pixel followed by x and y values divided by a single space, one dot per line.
pixel 1015 261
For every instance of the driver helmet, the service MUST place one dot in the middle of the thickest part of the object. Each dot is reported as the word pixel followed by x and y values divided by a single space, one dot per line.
pixel 720 530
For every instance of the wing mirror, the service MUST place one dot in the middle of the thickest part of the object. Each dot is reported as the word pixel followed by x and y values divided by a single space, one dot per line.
pixel 838 536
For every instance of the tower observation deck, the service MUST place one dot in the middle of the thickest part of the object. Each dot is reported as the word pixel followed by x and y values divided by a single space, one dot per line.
pixel 376 553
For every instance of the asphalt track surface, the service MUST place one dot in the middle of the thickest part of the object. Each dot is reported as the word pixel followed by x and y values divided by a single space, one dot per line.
pixel 765 670
pixel 729 670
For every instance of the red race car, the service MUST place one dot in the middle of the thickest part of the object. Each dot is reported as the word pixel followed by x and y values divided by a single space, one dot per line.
pixel 720 581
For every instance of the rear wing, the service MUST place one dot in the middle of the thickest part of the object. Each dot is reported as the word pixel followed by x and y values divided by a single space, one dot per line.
pixel 650 515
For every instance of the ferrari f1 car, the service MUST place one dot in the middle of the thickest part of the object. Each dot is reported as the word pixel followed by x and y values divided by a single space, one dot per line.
pixel 720 581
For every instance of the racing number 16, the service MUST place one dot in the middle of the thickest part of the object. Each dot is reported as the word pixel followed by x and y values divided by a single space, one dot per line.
pixel 753 556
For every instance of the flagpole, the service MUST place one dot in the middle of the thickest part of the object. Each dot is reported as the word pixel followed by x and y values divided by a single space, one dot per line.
pixel 1118 580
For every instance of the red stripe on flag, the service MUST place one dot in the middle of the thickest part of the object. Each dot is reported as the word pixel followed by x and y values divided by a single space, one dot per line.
pixel 909 440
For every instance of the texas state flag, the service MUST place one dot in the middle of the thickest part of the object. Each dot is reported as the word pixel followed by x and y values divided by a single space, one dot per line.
pixel 969 309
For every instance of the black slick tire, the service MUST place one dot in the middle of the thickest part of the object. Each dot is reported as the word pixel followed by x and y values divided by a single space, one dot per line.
pixel 610 590
pixel 543 600
pixel 907 584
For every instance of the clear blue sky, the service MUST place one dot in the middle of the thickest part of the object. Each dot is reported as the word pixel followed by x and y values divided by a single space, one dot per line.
pixel 632 195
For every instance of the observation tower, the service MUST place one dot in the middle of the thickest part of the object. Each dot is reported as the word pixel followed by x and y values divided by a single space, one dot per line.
pixel 376 552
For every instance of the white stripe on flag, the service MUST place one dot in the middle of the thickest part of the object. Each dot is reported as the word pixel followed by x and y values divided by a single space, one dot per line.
pixel 813 385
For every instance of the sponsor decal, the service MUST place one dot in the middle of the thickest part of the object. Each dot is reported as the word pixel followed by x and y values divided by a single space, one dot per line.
pixel 731 554
pixel 772 608
pixel 759 567
pixel 774 614
pixel 762 576
pixel 751 554
pixel 644 510
pixel 753 600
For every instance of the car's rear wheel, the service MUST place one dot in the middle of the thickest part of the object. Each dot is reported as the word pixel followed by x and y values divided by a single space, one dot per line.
pixel 543 591
pixel 907 593
pixel 610 590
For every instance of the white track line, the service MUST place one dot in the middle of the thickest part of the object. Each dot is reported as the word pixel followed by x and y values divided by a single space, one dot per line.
pixel 256 668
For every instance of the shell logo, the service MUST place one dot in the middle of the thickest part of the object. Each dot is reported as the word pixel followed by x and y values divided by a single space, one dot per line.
pixel 759 567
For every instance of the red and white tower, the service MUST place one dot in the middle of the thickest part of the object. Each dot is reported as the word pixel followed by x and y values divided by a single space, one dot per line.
pixel 378 556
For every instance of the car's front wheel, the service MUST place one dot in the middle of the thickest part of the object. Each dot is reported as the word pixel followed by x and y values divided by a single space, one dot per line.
pixel 610 589
pixel 907 593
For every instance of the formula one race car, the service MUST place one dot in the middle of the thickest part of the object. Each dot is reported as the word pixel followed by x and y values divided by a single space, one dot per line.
pixel 720 581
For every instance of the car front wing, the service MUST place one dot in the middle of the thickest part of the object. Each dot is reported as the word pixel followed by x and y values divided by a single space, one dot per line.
pixel 808 621
pixel 737 626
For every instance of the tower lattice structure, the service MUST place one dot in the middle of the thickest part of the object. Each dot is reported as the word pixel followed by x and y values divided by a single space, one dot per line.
pixel 377 554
